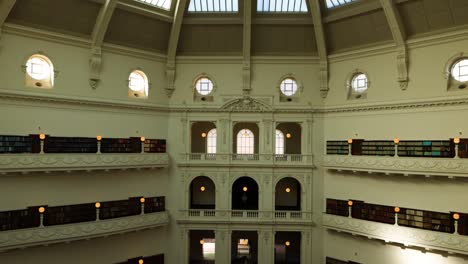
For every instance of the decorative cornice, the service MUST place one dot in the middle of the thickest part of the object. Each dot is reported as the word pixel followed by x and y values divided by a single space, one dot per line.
pixel 445 167
pixel 22 238
pixel 398 105
pixel 406 236
pixel 80 162
pixel 67 101
pixel 46 98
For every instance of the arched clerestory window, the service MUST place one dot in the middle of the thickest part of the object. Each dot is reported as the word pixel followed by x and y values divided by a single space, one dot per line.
pixel 245 142
pixel 279 143
pixel 211 141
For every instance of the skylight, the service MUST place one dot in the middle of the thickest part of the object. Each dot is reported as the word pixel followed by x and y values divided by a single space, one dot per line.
pixel 337 3
pixel 165 4
pixel 285 6
pixel 207 6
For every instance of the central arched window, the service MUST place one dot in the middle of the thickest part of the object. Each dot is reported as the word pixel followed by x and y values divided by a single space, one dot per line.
pixel 279 146
pixel 245 142
pixel 211 141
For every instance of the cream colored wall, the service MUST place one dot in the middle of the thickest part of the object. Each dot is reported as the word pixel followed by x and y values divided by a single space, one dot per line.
pixel 426 67
pixel 67 119
pixel 72 63
pixel 111 249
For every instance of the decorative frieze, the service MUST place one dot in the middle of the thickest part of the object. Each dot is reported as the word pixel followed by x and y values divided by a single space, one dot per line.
pixel 82 162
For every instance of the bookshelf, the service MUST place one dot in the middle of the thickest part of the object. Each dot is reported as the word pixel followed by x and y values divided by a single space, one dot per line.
pixel 120 145
pixel 70 145
pixel 155 204
pixel 337 147
pixel 426 148
pixel 121 208
pixel 68 214
pixel 18 219
pixel 337 207
pixel 463 225
pixel 77 213
pixel 155 145
pixel 374 212
pixel 378 148
pixel 16 144
pixel 426 220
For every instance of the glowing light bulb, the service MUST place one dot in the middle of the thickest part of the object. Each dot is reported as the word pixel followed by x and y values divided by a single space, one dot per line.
pixel 244 189
pixel 203 135
pixel 288 189
pixel 41 210
pixel 287 243
pixel 98 205
pixel 42 136
pixel 202 188
pixel 142 200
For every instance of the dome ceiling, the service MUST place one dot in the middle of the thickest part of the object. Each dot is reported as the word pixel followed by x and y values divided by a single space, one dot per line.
pixel 143 26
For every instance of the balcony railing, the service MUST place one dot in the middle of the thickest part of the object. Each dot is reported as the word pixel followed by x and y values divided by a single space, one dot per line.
pixel 212 215
pixel 45 225
pixel 266 159
pixel 445 167
pixel 406 236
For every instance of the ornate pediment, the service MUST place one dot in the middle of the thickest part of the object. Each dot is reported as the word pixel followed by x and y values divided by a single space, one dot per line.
pixel 246 104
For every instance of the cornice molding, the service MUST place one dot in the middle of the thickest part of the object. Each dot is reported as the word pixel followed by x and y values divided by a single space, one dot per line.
pixel 64 100
pixel 22 238
pixel 15 96
pixel 443 167
pixel 398 105
pixel 23 163
pixel 405 236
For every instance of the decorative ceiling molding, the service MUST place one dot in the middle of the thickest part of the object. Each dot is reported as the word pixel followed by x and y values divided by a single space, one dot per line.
pixel 246 49
pixel 399 36
pixel 5 8
pixel 321 46
pixel 172 46
pixel 97 38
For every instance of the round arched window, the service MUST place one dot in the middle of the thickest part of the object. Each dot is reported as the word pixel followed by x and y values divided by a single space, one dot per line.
pixel 39 67
pixel 204 86
pixel 359 83
pixel 460 70
pixel 138 82
pixel 288 87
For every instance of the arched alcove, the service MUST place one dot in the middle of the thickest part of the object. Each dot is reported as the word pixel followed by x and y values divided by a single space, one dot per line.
pixel 288 195
pixel 292 137
pixel 244 194
pixel 202 193
pixel 199 136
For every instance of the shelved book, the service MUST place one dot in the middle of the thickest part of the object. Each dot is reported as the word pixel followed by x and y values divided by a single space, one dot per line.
pixel 337 147
pixel 16 144
pixel 70 145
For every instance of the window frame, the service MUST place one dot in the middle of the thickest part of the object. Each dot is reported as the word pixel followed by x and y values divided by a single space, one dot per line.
pixel 353 93
pixel 280 9
pixel 213 138
pixel 244 146
pixel 213 7
pixel 280 136
pixel 46 83
pixel 195 82
pixel 146 85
